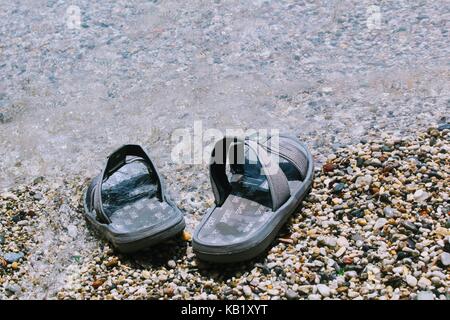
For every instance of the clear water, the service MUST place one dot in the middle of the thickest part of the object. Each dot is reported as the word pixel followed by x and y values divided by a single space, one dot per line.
pixel 135 72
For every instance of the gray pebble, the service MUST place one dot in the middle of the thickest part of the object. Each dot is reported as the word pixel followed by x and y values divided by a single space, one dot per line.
pixel 411 280
pixel 247 291
pixel 380 223
pixel 445 259
pixel 324 290
pixel 37 196
pixel 424 283
pixel 291 295
pixel 445 126
pixel 390 212
pixel 11 257
pixel 425 295
pixel 13 288
pixel 410 226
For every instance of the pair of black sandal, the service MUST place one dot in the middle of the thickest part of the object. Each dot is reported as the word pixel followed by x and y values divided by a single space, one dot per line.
pixel 128 203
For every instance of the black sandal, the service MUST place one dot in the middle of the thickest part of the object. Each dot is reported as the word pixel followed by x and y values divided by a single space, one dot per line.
pixel 127 202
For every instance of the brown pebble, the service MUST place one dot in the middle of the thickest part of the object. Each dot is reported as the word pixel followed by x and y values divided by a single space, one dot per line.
pixel 311 233
pixel 3 262
pixel 168 291
pixel 186 236
pixel 361 221
pixel 328 167
pixel 31 213
pixel 391 221
pixel 347 260
pixel 387 169
pixel 97 283
pixel 442 231
pixel 401 209
pixel 286 240
pixel 112 263
pixel 315 251
pixel 311 277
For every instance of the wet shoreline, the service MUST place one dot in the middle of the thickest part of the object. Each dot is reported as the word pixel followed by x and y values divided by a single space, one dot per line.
pixel 375 226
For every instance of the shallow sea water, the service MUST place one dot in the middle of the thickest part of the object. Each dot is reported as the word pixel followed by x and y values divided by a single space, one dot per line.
pixel 327 71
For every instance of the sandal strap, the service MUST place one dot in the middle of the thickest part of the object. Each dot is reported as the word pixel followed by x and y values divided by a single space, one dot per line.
pixel 117 160
pixel 286 149
pixel 277 181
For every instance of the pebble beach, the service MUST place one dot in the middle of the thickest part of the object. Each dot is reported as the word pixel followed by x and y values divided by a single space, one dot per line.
pixel 375 226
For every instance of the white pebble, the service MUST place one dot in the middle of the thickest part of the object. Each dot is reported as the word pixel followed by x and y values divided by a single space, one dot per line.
pixel 342 242
pixel 340 252
pixel 445 258
pixel 172 264
pixel 380 223
pixel 424 283
pixel 72 231
pixel 324 290
pixel 420 195
pixel 411 281
pixel 363 181
pixel 425 295
pixel 247 291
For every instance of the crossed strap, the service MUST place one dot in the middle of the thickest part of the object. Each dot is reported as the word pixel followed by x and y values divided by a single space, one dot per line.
pixel 284 147
pixel 115 161
pixel 233 148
